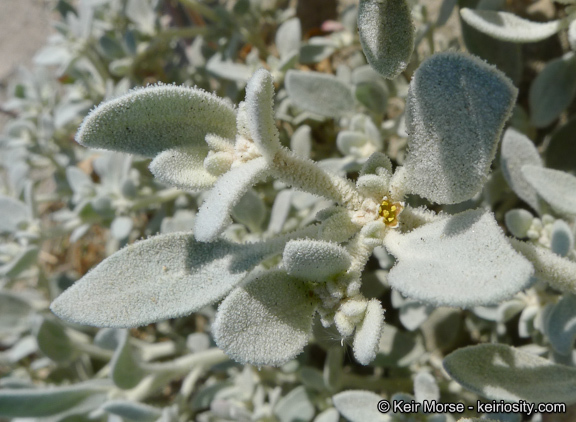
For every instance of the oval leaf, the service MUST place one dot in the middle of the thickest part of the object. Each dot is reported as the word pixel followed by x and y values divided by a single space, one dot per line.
pixel 501 372
pixel 553 90
pixel 315 260
pixel 386 34
pixel 556 187
pixel 149 120
pixel 463 260
pixel 359 406
pixel 124 368
pixel 164 277
pixel 456 108
pixel 319 93
pixel 517 151
pixel 265 322
pixel 368 332
pixel 508 27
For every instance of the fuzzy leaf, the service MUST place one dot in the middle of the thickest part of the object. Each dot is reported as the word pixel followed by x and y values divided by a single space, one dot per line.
pixel 456 108
pixel 124 368
pixel 508 27
pixel 164 277
pixel 267 321
pixel 260 113
pixel 553 90
pixel 288 37
pixel 132 411
pixel 329 415
pixel 559 272
pixel 315 260
pixel 359 406
pixel 214 215
pixel 150 120
pixel 386 34
pixel 463 260
pixel 517 151
pixel 16 314
pixel 368 332
pixel 183 168
pixel 501 372
pixel 301 141
pixel 518 221
pixel 41 402
pixel 556 187
pixel 13 212
pixel 319 93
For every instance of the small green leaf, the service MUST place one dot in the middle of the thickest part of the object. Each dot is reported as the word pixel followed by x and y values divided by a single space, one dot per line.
pixel 319 93
pixel 501 372
pixel 124 368
pixel 267 321
pixel 508 27
pixel 456 108
pixel 553 90
pixel 562 238
pixel 149 120
pixel 53 341
pixel 519 221
pixel 386 34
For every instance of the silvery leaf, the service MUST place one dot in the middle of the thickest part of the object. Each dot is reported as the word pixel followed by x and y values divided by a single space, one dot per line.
pixel 266 321
pixel 301 141
pixel 561 325
pixel 456 108
pixel 508 27
pixel 214 214
pixel 149 120
pixel 463 260
pixel 559 272
pixel 413 314
pixel 229 70
pixel 42 402
pixel 183 168
pixel 14 214
pixel 124 368
pixel 317 49
pixel 121 227
pixel 375 161
pixel 556 187
pixel 132 411
pixel 368 332
pixel 329 415
pixel 501 372
pixel 295 406
pixel 260 113
pixel 386 34
pixel 288 37
pixel 319 93
pixel 425 387
pixel 562 241
pixel 553 90
pixel 25 346
pixel 163 277
pixel 315 260
pixel 398 348
pixel 517 151
pixel 372 96
pixel 359 406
